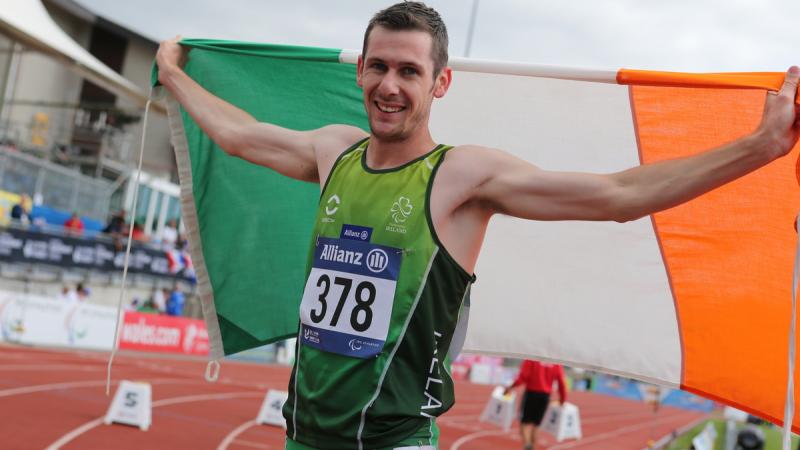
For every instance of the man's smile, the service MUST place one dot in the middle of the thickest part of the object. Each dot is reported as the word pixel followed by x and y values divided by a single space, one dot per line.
pixel 389 108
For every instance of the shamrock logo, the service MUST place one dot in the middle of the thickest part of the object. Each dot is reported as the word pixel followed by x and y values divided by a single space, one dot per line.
pixel 401 209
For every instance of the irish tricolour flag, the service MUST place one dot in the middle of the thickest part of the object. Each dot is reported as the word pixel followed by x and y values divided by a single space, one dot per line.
pixel 697 297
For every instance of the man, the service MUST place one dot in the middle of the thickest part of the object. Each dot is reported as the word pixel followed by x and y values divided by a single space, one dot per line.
pixel 20 212
pixel 116 224
pixel 169 235
pixel 538 378
pixel 375 332
pixel 74 225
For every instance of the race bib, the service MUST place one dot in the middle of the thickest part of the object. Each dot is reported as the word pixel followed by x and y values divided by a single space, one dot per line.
pixel 348 298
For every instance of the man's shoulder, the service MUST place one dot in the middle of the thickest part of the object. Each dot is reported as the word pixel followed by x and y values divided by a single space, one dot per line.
pixel 471 152
pixel 340 134
pixel 332 140
pixel 476 160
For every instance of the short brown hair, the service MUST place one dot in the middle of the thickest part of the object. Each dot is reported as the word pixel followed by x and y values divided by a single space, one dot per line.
pixel 414 16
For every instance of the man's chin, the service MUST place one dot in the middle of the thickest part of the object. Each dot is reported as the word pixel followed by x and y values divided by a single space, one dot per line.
pixel 388 136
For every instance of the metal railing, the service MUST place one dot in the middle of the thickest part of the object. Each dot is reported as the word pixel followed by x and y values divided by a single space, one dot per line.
pixel 57 187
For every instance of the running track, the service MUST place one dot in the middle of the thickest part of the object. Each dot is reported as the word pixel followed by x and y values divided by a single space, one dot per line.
pixel 56 399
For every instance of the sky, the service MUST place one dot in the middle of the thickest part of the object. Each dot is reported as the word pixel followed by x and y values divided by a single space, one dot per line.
pixel 682 35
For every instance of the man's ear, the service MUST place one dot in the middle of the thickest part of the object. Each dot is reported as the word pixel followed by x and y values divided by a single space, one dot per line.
pixel 442 82
pixel 359 68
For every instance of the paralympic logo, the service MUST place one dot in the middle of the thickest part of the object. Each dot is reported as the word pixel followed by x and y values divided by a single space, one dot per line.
pixel 354 345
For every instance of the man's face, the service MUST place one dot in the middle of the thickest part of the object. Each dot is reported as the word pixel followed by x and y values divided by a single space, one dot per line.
pixel 397 77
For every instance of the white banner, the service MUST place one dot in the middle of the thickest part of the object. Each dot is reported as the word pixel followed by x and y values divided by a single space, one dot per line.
pixel 35 320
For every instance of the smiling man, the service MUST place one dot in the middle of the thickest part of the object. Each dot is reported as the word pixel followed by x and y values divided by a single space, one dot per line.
pixel 401 221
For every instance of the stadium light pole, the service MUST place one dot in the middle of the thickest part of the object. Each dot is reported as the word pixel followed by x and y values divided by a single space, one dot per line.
pixel 471 29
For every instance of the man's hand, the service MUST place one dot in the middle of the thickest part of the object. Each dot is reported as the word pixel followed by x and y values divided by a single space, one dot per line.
pixel 170 56
pixel 780 123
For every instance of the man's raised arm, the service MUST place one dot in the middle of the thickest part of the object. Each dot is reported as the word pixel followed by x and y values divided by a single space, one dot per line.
pixel 514 187
pixel 302 155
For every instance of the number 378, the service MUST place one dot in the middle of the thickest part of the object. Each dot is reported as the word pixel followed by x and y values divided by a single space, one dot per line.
pixel 360 317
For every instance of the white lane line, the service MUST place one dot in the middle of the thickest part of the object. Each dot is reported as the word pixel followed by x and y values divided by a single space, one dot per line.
pixel 462 417
pixel 644 415
pixel 75 433
pixel 613 434
pixel 464 439
pixel 466 426
pixel 255 444
pixel 23 367
pixel 202 397
pixel 234 434
pixel 68 437
pixel 82 384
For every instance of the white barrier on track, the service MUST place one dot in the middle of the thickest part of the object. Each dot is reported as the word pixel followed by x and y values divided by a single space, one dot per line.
pixel 563 421
pixel 499 410
pixel 132 405
pixel 270 412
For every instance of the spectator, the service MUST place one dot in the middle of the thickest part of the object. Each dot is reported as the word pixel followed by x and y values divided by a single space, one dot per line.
pixel 115 227
pixel 160 299
pixel 116 224
pixel 133 306
pixel 74 225
pixel 68 295
pixel 20 213
pixel 148 307
pixel 169 235
pixel 82 291
pixel 175 302
pixel 138 232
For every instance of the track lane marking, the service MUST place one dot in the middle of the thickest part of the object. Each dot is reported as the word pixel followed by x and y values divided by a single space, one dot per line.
pixel 464 439
pixel 256 445
pixel 234 434
pixel 612 434
pixel 24 367
pixel 82 384
pixel 71 435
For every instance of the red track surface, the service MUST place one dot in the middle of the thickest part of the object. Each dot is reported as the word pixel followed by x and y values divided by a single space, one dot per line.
pixel 56 399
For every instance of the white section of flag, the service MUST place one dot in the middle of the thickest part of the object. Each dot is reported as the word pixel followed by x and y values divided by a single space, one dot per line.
pixel 597 293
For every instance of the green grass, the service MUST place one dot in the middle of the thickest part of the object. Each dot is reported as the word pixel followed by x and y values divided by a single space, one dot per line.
pixel 772 437
pixel 684 441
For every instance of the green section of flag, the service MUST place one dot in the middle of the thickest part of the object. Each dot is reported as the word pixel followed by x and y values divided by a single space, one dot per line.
pixel 255 225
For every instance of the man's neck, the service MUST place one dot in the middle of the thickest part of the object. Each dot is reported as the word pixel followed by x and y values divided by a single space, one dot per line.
pixel 383 154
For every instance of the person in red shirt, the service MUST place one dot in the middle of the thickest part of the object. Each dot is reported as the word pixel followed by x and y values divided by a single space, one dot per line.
pixel 74 225
pixel 538 379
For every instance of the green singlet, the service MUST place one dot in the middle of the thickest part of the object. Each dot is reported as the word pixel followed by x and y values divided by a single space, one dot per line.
pixel 381 304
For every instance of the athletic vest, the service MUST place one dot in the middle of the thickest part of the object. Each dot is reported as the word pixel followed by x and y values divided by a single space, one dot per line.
pixel 379 310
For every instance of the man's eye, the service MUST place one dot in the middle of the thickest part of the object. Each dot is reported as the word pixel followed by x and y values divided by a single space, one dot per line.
pixel 379 66
pixel 409 71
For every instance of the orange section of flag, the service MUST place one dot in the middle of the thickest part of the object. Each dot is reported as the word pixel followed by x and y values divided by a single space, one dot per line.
pixel 745 80
pixel 729 253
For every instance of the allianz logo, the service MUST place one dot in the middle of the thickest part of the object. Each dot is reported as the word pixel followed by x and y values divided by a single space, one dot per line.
pixel 376 261
pixel 363 235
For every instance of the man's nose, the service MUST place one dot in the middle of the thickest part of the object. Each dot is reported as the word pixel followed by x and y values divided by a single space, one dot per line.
pixel 389 85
